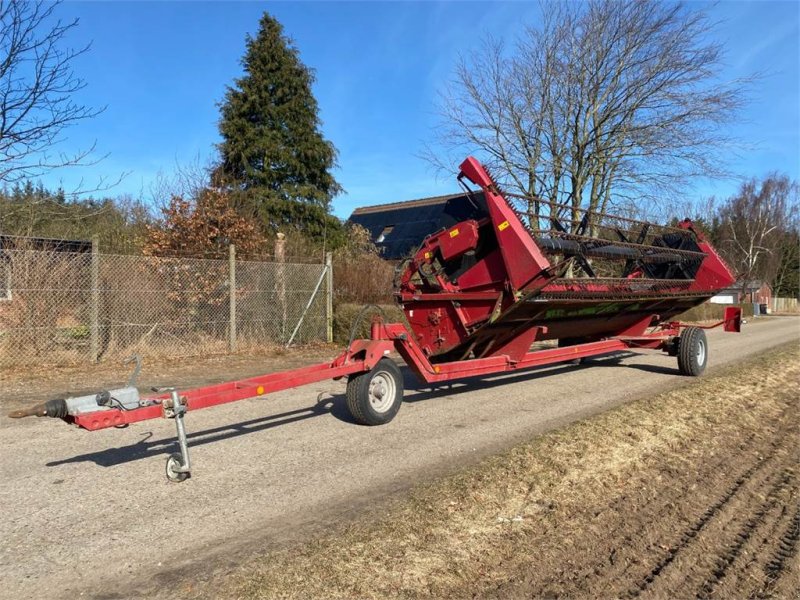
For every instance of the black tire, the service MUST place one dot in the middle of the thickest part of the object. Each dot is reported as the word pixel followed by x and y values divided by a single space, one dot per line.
pixel 692 352
pixel 566 342
pixel 374 397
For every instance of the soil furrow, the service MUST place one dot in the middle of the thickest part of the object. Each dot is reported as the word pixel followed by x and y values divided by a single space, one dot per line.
pixel 716 541
pixel 746 575
pixel 655 509
pixel 690 534
pixel 730 553
pixel 787 548
pixel 713 518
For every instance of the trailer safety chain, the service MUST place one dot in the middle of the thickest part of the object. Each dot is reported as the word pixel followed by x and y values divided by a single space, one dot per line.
pixel 179 466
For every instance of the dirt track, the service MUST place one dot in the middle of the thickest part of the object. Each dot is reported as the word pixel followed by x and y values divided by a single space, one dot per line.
pixel 92 512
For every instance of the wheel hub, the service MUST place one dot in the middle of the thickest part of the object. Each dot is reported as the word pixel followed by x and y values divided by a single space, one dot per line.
pixel 381 392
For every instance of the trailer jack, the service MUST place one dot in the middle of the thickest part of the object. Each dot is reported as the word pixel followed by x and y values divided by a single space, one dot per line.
pixel 179 466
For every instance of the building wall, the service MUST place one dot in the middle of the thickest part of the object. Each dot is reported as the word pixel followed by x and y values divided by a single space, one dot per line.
pixel 762 295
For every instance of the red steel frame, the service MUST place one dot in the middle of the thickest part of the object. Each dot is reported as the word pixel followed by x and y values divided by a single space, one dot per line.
pixel 364 354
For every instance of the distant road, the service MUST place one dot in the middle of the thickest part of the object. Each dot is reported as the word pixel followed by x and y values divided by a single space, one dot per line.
pixel 93 512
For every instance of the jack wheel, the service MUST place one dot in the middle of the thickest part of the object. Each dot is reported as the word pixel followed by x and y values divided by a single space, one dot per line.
pixel 692 352
pixel 174 462
pixel 374 397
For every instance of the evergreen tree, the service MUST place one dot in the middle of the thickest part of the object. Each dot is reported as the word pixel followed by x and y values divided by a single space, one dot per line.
pixel 273 154
pixel 787 278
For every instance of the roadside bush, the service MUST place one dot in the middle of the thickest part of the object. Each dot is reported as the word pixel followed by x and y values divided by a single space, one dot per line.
pixel 360 275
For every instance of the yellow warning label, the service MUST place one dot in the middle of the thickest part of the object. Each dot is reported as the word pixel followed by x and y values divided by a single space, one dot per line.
pixel 454 233
pixel 502 225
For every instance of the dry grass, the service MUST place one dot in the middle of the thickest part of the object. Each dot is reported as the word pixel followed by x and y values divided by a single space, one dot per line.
pixel 476 533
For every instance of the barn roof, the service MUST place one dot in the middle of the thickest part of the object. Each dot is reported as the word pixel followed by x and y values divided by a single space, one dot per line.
pixel 749 286
pixel 399 227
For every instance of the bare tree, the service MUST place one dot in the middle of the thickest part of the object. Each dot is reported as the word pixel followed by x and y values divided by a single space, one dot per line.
pixel 37 87
pixel 602 100
pixel 754 226
pixel 186 180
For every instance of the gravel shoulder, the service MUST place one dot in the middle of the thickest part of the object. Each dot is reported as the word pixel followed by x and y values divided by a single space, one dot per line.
pixel 92 514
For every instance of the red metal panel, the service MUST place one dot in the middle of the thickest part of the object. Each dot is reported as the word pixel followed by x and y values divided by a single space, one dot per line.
pixel 638 328
pixel 713 273
pixel 518 346
pixel 523 259
pixel 436 325
pixel 458 239
pixel 732 319
pixel 489 272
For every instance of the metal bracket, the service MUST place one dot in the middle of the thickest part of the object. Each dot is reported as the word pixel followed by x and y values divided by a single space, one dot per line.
pixel 136 370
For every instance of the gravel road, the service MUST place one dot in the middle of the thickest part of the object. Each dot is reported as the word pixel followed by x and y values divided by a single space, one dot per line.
pixel 92 515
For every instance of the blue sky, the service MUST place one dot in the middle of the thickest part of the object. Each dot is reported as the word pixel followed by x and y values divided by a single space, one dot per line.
pixel 161 67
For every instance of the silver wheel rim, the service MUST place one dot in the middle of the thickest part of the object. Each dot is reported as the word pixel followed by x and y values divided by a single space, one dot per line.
pixel 701 353
pixel 382 391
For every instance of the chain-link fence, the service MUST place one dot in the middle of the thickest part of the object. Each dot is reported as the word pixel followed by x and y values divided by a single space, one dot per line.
pixel 62 307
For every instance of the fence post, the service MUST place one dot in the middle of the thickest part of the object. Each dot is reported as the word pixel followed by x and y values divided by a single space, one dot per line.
pixel 232 300
pixel 94 308
pixel 329 297
pixel 280 280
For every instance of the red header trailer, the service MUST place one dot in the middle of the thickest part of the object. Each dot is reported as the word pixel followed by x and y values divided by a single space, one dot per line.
pixel 477 296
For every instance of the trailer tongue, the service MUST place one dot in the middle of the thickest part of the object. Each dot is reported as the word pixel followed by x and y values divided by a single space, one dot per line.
pixel 477 296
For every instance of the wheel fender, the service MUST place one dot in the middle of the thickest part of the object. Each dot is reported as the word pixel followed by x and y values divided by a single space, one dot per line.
pixel 370 351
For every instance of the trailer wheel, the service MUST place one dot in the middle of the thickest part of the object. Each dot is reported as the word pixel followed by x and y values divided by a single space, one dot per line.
pixel 175 462
pixel 374 397
pixel 692 352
